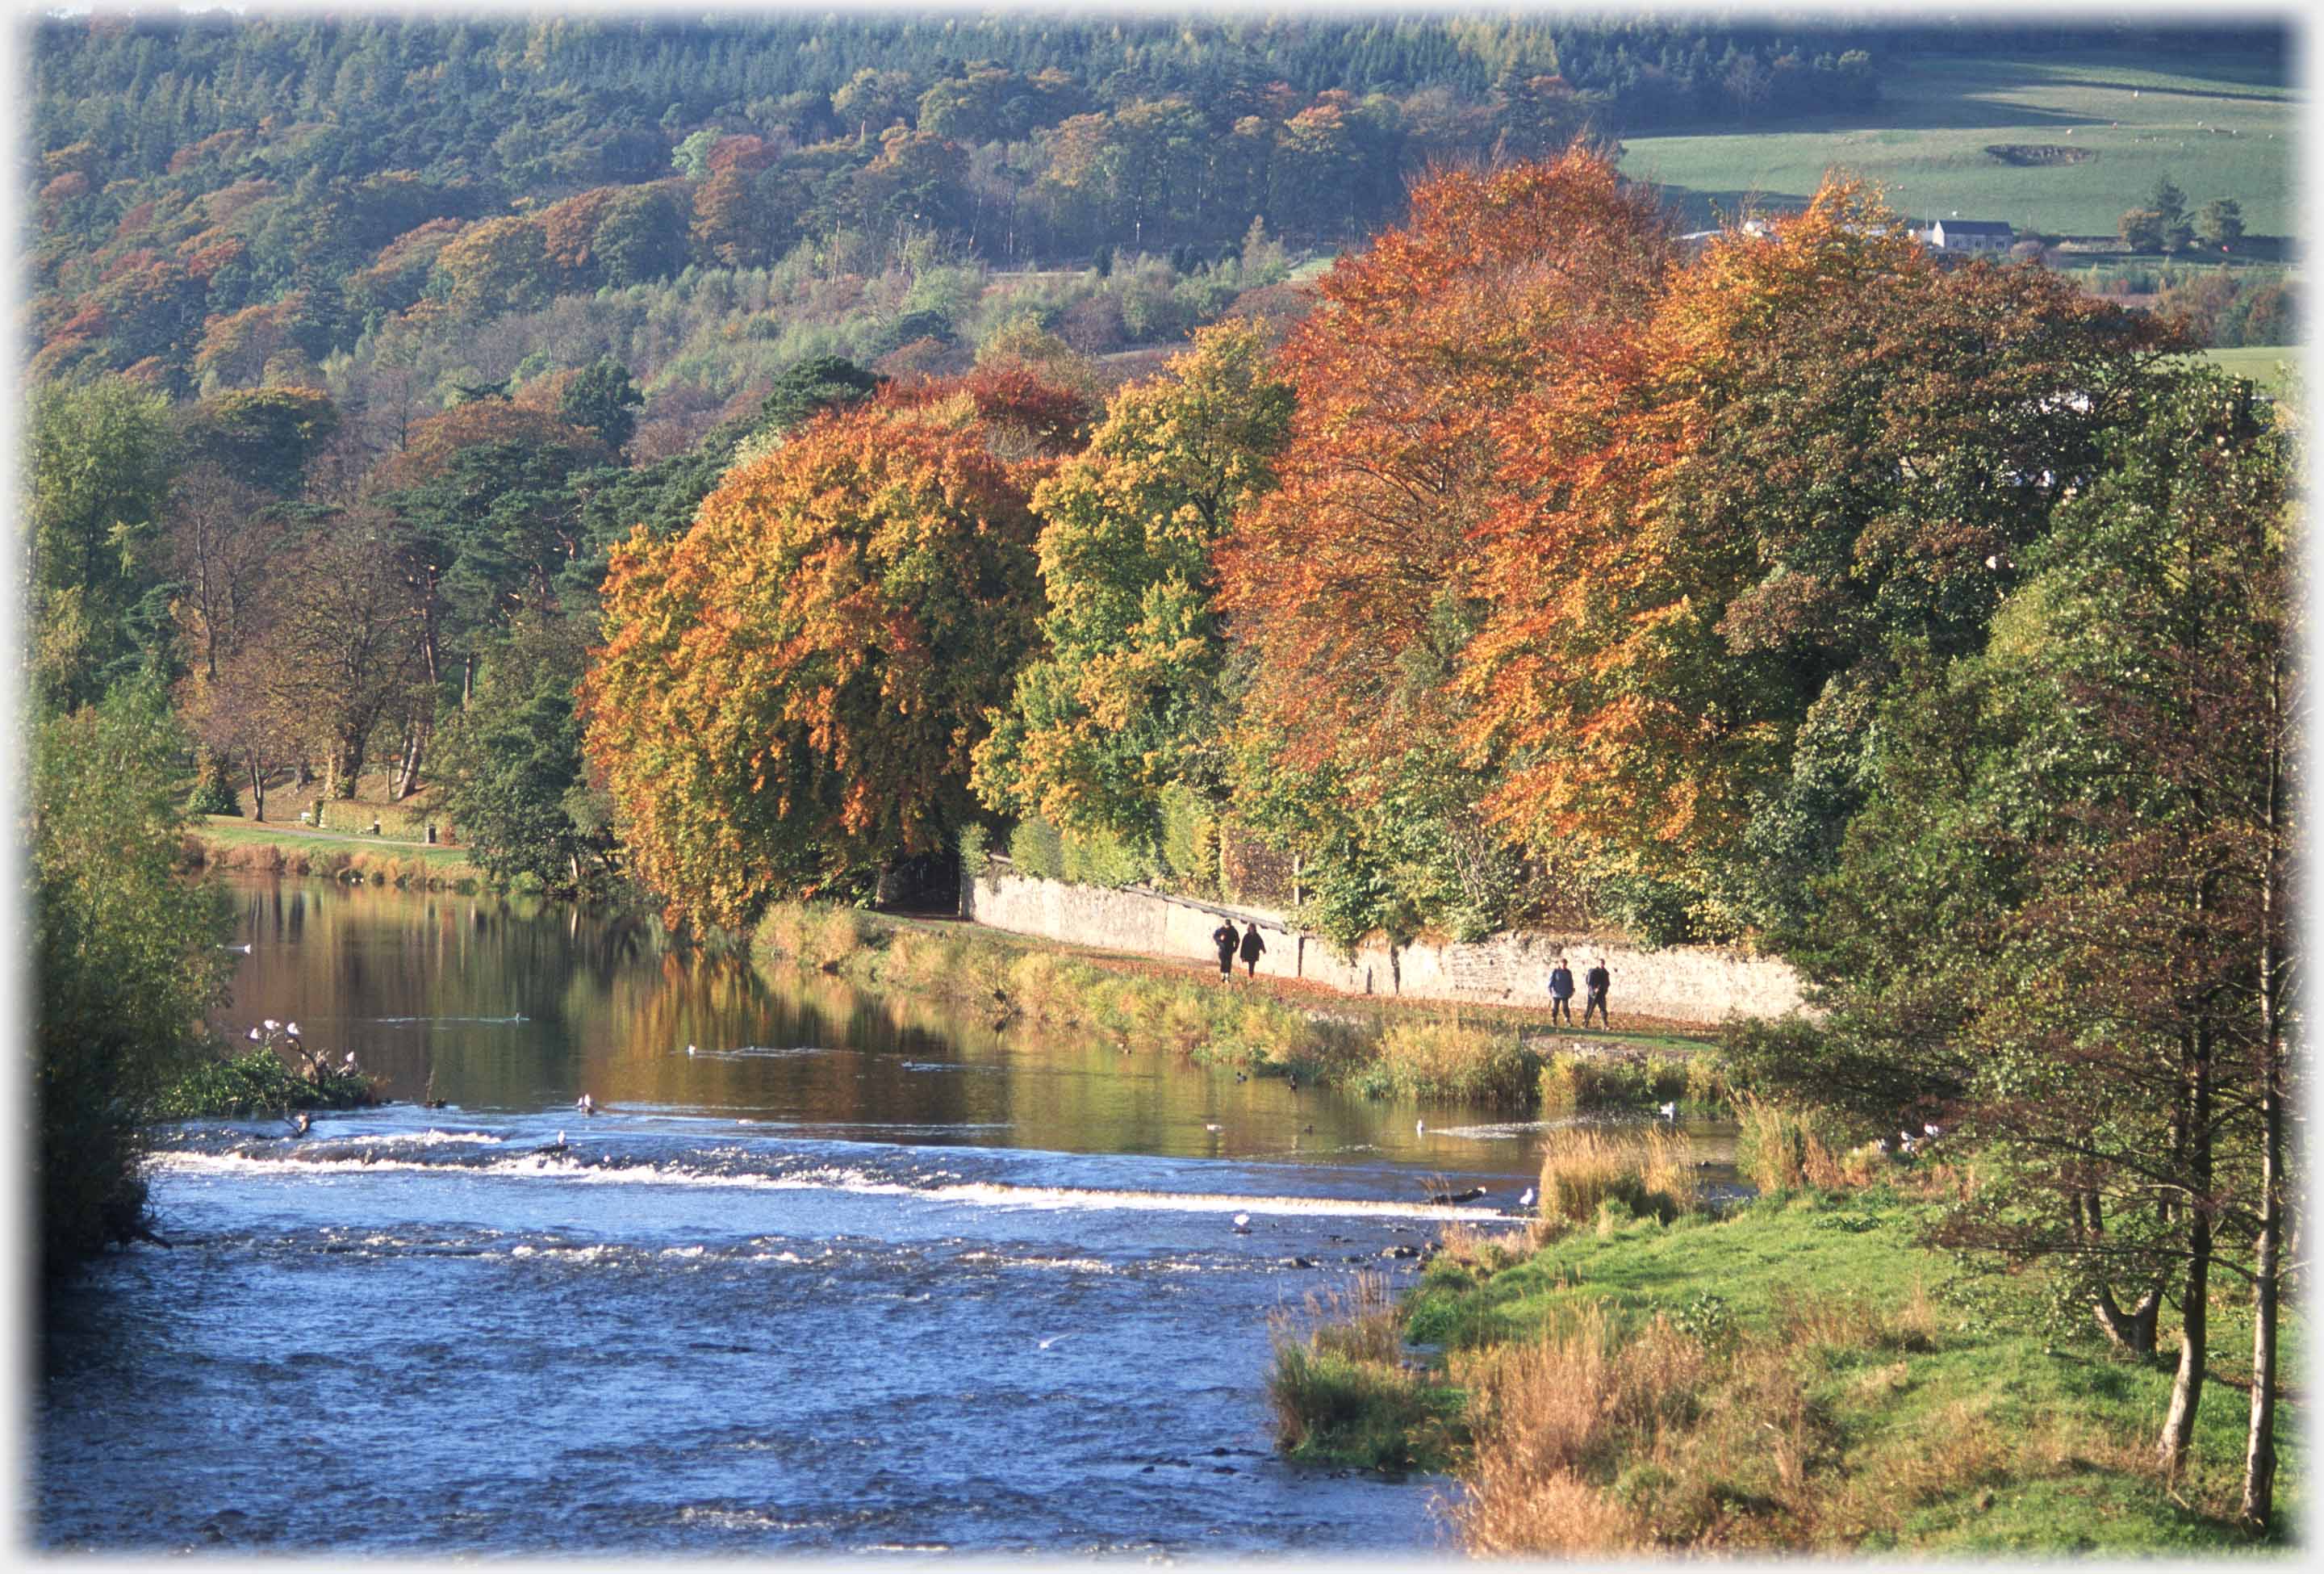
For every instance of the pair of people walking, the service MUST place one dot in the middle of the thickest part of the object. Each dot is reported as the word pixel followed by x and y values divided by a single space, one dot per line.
pixel 1560 993
pixel 1228 943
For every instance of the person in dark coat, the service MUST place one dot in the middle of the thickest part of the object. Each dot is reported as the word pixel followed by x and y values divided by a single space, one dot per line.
pixel 1251 948
pixel 1600 981
pixel 1560 993
pixel 1223 937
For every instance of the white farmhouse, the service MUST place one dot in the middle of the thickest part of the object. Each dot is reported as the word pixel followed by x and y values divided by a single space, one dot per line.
pixel 1968 235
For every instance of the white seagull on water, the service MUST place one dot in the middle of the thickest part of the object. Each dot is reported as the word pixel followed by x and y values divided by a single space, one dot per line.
pixel 1242 1224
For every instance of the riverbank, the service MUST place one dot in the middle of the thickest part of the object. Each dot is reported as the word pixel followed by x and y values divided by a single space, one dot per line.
pixel 222 842
pixel 1797 1374
pixel 1280 1027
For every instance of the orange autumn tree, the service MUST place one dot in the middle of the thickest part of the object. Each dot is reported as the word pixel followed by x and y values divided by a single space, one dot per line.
pixel 1714 558
pixel 788 694
pixel 1352 590
pixel 1345 574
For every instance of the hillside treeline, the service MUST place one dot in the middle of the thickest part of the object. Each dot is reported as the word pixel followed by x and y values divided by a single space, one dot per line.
pixel 213 192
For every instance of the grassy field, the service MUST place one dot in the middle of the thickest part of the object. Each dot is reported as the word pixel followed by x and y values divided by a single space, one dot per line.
pixel 2274 369
pixel 2140 115
pixel 1800 1375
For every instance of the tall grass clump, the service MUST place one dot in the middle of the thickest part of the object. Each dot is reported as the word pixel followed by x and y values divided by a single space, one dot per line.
pixel 1649 1172
pixel 1613 1080
pixel 1783 1148
pixel 1450 1060
pixel 1340 1390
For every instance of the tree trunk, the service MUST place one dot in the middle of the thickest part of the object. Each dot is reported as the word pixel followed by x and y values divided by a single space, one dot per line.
pixel 257 788
pixel 347 766
pixel 2132 1330
pixel 2194 1325
pixel 407 780
pixel 2259 1447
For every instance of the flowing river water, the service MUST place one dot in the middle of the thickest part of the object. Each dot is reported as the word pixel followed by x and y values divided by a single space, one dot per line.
pixel 853 1272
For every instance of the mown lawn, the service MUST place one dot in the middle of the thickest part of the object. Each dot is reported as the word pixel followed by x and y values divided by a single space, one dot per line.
pixel 234 832
pixel 2142 115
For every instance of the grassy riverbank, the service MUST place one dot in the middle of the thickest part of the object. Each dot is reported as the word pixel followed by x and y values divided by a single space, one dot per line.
pixel 1798 1375
pixel 1268 1027
pixel 222 842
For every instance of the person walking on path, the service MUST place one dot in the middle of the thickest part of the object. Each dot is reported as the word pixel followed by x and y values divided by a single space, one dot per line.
pixel 1251 948
pixel 1560 993
pixel 1600 981
pixel 1223 937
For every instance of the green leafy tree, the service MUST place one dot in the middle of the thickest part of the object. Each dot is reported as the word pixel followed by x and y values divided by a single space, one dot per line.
pixel 510 769
pixel 813 386
pixel 602 399
pixel 2060 929
pixel 127 960
pixel 691 157
pixel 1128 699
pixel 263 436
pixel 2222 222
pixel 2169 203
pixel 643 234
pixel 102 455
pixel 2143 230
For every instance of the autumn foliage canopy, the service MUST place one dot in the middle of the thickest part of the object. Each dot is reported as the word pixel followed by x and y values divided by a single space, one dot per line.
pixel 789 692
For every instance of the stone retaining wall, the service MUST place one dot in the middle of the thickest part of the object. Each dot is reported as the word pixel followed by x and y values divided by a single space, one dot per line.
pixel 1695 984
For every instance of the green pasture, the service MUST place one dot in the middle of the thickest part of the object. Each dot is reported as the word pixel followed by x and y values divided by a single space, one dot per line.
pixel 2274 368
pixel 2141 114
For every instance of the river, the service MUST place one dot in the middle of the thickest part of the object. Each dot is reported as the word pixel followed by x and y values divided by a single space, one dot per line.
pixel 827 1272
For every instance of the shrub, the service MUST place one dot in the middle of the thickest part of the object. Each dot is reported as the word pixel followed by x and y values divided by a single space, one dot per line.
pixel 1613 1080
pixel 257 1083
pixel 1035 848
pixel 215 794
pixel 1098 857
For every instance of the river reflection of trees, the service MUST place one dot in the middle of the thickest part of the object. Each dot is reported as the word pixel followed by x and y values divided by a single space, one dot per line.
pixel 423 984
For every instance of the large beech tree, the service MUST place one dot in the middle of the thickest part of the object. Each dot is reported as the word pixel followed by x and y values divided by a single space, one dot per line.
pixel 1353 584
pixel 788 694
pixel 1352 589
pixel 1823 448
